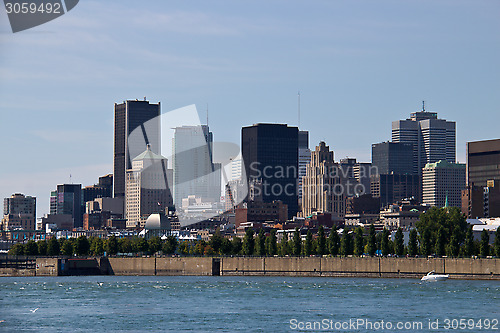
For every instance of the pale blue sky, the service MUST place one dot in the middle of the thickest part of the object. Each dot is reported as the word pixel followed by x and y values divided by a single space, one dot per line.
pixel 358 64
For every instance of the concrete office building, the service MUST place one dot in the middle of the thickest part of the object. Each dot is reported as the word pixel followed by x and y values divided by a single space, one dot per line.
pixel 323 189
pixel 147 189
pixel 356 176
pixel 19 211
pixel 195 173
pixel 270 154
pixel 442 184
pixel 129 116
pixel 433 139
pixel 103 189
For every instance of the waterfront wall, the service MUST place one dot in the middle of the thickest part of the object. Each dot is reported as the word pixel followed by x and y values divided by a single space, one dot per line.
pixel 487 269
pixel 362 267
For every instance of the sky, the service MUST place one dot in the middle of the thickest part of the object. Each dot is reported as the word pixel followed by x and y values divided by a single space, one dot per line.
pixel 359 65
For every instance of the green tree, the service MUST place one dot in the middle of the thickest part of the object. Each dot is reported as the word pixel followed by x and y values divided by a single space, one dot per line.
pixel 372 241
pixel 225 247
pixel 440 246
pixel 17 249
pixel 154 244
pixel 97 246
pixel 346 246
pixel 496 244
pixel 283 249
pixel 139 244
pixel 426 242
pixel 261 243
pixel 53 248
pixel 334 242
pixel 413 243
pixel 112 246
pixel 485 243
pixel 308 243
pixel 296 243
pixel 271 243
pixel 199 247
pixel 359 242
pixel 170 245
pixel 216 241
pixel 125 245
pixel 67 247
pixel 248 242
pixel 42 247
pixel 468 247
pixel 453 247
pixel 31 249
pixel 321 241
pixel 82 247
pixel 385 245
pixel 184 247
pixel 399 246
pixel 236 245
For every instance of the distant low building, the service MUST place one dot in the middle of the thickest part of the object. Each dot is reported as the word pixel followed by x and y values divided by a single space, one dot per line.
pixel 19 212
pixel 259 211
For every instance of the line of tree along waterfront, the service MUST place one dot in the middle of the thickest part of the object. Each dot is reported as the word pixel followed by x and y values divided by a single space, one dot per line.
pixel 439 232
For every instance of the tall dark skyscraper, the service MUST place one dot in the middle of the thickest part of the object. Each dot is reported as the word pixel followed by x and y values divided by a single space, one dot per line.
pixel 129 116
pixel 393 157
pixel 69 201
pixel 433 139
pixel 270 153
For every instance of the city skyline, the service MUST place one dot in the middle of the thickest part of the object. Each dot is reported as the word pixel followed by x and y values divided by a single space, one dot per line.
pixel 356 74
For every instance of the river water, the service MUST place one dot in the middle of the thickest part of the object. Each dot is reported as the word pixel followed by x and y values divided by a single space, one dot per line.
pixel 245 304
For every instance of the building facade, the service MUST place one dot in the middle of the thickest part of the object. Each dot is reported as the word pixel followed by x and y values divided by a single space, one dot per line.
pixel 195 173
pixel 442 184
pixel 304 158
pixel 69 201
pixel 19 212
pixel 147 189
pixel 393 157
pixel 393 187
pixel 433 139
pixel 323 189
pixel 129 116
pixel 270 155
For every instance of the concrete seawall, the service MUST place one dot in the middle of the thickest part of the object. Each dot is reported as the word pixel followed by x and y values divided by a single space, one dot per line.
pixel 484 269
pixel 488 269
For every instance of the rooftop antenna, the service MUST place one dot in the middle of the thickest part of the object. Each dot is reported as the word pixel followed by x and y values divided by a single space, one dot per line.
pixel 423 106
pixel 207 114
pixel 70 181
pixel 298 107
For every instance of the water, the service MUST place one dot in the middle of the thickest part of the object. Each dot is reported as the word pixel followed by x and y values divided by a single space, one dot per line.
pixel 244 304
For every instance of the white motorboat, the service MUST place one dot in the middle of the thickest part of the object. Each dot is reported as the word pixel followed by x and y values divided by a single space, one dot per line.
pixel 432 276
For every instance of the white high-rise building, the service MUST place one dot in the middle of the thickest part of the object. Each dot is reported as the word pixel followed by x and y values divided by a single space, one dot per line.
pixel 194 170
pixel 442 184
pixel 146 188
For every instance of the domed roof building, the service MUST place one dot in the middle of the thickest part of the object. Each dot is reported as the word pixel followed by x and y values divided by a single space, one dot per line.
pixel 157 225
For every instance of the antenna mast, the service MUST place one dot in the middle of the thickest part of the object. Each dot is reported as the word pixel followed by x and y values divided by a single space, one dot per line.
pixel 423 106
pixel 298 107
pixel 207 114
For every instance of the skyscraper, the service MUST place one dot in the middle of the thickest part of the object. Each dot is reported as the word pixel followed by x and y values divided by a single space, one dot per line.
pixel 304 157
pixel 442 184
pixel 433 139
pixel 69 201
pixel 129 116
pixel 322 185
pixel 393 157
pixel 270 153
pixel 482 196
pixel 195 173
pixel 147 190
pixel 19 211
